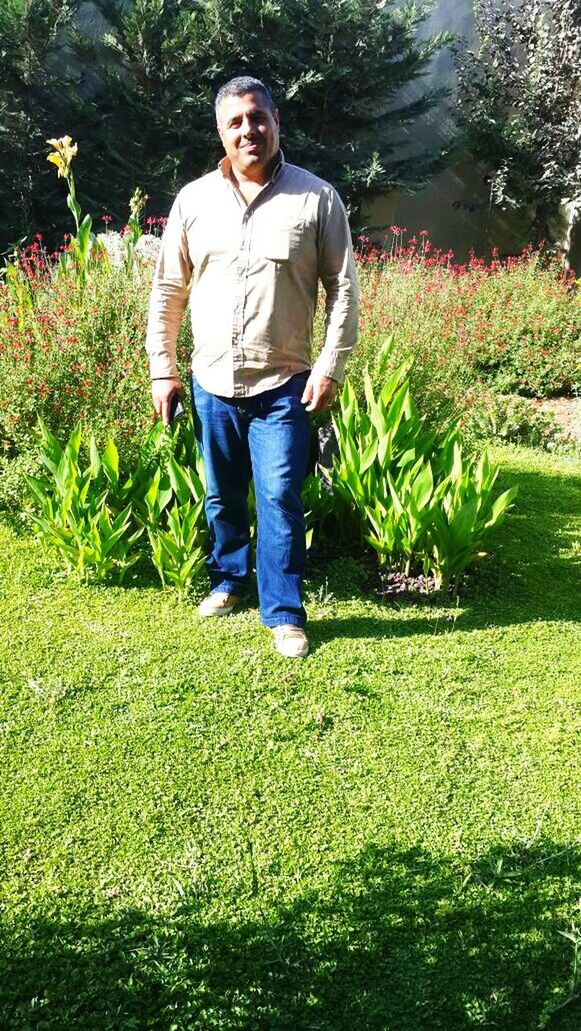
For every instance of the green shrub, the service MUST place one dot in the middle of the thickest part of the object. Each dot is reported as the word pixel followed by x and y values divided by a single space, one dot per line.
pixel 72 347
pixel 397 485
pixel 76 513
pixel 73 350
pixel 516 420
pixel 178 549
pixel 421 504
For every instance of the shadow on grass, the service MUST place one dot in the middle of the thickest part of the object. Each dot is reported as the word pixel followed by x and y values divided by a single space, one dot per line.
pixel 398 941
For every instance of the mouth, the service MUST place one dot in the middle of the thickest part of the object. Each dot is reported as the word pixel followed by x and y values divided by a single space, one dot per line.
pixel 251 146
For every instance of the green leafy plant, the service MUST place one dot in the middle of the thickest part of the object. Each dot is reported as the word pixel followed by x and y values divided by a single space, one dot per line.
pixel 95 516
pixel 516 420
pixel 383 436
pixel 179 549
pixel 320 506
pixel 419 502
pixel 463 514
pixel 75 515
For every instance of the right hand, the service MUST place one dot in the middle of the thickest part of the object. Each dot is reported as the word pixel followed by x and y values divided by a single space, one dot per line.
pixel 161 395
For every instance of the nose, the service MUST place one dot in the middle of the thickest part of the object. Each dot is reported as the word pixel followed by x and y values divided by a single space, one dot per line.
pixel 246 126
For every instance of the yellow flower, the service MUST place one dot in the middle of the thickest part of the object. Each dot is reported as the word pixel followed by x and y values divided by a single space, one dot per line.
pixel 137 202
pixel 56 160
pixel 64 152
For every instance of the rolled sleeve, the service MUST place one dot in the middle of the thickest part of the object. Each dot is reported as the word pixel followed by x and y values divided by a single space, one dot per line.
pixel 169 296
pixel 336 267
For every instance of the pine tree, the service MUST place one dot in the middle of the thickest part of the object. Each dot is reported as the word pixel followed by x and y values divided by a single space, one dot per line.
pixel 141 99
pixel 335 68
pixel 35 91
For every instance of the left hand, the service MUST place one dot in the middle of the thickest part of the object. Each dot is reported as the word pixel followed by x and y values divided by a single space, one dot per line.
pixel 319 393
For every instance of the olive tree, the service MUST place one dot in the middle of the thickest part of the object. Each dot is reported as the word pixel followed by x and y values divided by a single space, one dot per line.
pixel 519 105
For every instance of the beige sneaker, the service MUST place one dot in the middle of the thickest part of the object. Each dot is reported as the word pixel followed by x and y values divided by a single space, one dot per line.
pixel 291 641
pixel 218 604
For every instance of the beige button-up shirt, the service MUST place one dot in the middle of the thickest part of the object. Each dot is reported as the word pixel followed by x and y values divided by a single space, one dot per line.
pixel 251 274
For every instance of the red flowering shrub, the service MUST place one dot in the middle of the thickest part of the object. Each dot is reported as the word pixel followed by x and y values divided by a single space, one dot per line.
pixel 71 350
pixel 512 324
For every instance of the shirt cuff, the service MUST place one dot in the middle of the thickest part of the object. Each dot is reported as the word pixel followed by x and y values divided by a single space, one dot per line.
pixel 330 365
pixel 161 366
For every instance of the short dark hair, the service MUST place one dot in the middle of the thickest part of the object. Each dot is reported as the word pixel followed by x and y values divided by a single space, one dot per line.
pixel 238 87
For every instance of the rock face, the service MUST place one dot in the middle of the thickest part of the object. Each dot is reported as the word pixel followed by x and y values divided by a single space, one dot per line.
pixel 146 248
pixel 114 244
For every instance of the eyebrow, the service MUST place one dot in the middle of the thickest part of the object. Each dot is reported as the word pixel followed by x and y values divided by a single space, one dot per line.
pixel 257 111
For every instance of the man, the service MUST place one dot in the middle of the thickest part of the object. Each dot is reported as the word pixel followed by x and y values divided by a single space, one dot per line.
pixel 252 239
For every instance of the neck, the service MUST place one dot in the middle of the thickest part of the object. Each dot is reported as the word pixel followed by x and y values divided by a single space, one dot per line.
pixel 255 177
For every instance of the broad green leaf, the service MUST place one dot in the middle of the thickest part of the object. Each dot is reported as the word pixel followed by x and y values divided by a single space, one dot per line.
pixel 368 388
pixel 462 525
pixel 95 459
pixel 388 389
pixel 397 504
pixel 408 456
pixel 153 491
pixel 423 487
pixel 179 480
pixel 368 457
pixel 395 410
pixel 170 547
pixel 500 507
pixel 110 461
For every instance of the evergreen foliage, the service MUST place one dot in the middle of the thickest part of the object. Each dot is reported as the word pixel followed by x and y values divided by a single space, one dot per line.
pixel 35 91
pixel 139 95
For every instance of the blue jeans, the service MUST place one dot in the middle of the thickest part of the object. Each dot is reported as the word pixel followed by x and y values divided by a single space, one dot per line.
pixel 265 438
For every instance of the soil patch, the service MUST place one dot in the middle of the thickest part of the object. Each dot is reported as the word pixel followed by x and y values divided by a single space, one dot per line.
pixel 566 412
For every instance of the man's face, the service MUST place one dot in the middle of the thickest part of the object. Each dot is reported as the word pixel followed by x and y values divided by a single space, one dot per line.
pixel 249 132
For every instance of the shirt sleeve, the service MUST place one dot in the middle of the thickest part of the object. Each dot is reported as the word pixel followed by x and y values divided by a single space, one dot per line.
pixel 336 267
pixel 169 296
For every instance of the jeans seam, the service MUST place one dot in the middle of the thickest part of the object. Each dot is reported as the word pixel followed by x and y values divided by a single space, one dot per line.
pixel 284 621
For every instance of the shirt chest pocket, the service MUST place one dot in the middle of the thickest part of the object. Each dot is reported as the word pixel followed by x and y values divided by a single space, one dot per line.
pixel 281 242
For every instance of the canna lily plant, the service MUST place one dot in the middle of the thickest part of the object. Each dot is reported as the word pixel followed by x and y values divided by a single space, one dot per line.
pixel 420 502
pixel 83 245
pixel 64 150
pixel 136 208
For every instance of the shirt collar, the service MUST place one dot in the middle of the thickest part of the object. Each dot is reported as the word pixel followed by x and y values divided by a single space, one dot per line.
pixel 225 167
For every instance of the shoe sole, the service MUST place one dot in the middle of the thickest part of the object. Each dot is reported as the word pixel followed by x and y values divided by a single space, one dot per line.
pixel 296 655
pixel 218 612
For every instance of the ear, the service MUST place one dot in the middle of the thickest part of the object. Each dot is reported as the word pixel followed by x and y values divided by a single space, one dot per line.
pixel 276 117
pixel 219 131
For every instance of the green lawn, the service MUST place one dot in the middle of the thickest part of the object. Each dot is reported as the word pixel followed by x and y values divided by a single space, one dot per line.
pixel 387 836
